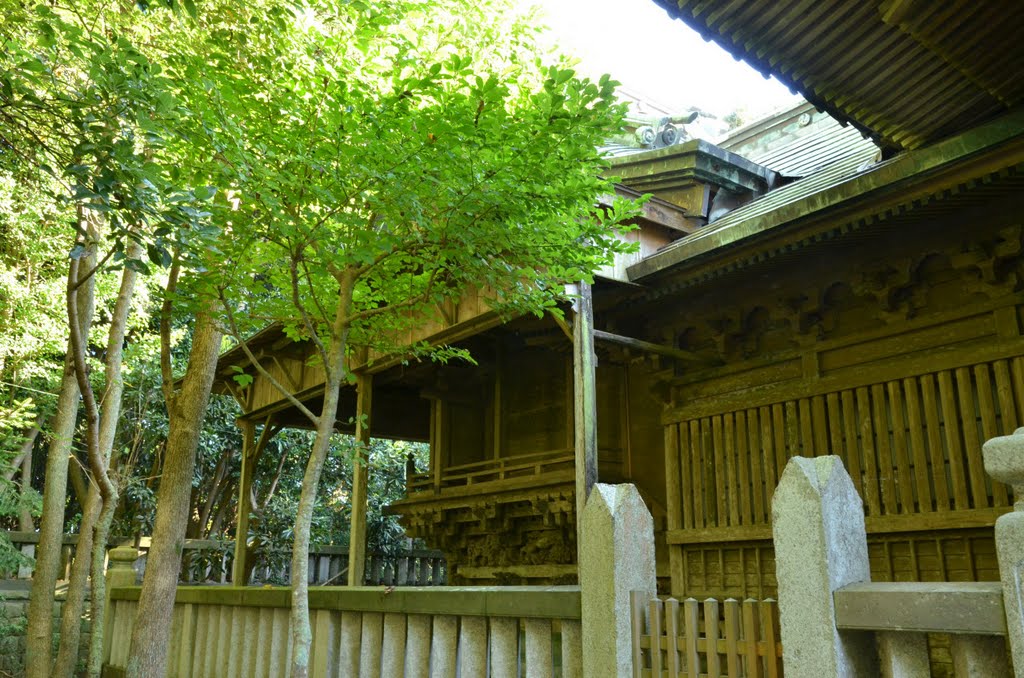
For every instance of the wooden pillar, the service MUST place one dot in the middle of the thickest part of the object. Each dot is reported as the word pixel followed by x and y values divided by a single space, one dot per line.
pixel 360 474
pixel 239 571
pixel 585 402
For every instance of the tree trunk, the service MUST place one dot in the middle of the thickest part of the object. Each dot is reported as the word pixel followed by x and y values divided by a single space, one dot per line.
pixel 90 558
pixel 26 448
pixel 151 635
pixel 302 635
pixel 38 653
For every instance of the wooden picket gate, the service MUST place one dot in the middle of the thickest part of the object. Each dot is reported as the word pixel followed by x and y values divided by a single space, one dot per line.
pixel 692 639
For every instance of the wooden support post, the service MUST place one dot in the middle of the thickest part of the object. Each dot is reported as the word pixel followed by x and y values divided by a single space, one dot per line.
pixel 239 571
pixel 360 474
pixel 585 402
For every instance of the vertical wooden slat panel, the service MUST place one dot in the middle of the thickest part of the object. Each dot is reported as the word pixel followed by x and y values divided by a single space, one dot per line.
pixel 883 449
pixel 1004 394
pixel 820 426
pixel 654 615
pixel 504 647
pixel 732 636
pixel 697 472
pixel 972 439
pixel 779 433
pixel 915 424
pixel 719 465
pixel 281 655
pixel 691 628
pixel 202 642
pixel 673 479
pixel 743 465
pixel 370 645
pixel 904 481
pixel 322 650
pixel 771 478
pixel 538 649
pixel 867 444
pixel 393 654
pixel 771 635
pixel 443 646
pixel 852 455
pixel 638 609
pixel 684 453
pixel 348 657
pixel 708 473
pixel 792 419
pixel 751 635
pixel 930 403
pixel 572 649
pixel 472 646
pixel 756 466
pixel 954 444
pixel 672 663
pixel 834 414
pixel 730 470
pixel 713 665
pixel 1017 369
pixel 989 428
pixel 806 444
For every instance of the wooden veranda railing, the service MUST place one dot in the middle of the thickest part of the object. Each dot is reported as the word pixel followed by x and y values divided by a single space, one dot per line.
pixel 209 561
pixel 705 639
pixel 472 632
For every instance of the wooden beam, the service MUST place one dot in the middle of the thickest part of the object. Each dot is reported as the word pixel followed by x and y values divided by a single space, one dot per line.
pixel 585 402
pixel 360 475
pixel 251 450
pixel 649 347
pixel 562 325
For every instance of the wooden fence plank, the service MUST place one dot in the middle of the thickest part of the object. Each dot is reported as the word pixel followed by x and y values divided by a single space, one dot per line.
pixel 867 437
pixel 852 456
pixel 779 433
pixel 773 662
pixel 717 445
pixel 820 426
pixel 954 444
pixel 351 629
pixel 697 472
pixel 654 610
pixel 930 404
pixel 505 648
pixel 756 466
pixel 572 648
pixel 682 452
pixel 989 428
pixel 731 468
pixel 806 441
pixel 972 439
pixel 904 481
pixel 883 449
pixel 539 663
pixel 672 663
pixel 691 628
pixel 751 636
pixel 637 609
pixel 673 479
pixel 915 423
pixel 1004 394
pixel 1017 369
pixel 771 478
pixel 711 515
pixel 792 423
pixel 713 665
pixel 743 464
pixel 732 637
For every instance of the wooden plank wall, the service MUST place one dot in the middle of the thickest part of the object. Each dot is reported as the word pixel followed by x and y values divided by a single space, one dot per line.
pixel 912 446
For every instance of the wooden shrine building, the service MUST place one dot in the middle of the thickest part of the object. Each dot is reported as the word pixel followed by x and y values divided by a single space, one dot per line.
pixel 799 290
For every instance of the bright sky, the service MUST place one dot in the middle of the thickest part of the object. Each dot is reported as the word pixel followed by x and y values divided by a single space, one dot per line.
pixel 660 58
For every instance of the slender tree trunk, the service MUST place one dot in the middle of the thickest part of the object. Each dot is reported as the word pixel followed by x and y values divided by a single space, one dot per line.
pixel 151 635
pixel 39 642
pixel 25 522
pixel 26 448
pixel 302 635
pixel 103 493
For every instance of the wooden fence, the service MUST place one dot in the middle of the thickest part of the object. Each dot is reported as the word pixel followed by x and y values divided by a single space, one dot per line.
pixel 208 561
pixel 474 632
pixel 709 639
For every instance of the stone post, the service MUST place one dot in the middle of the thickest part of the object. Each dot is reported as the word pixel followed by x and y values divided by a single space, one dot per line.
pixel 616 557
pixel 820 546
pixel 120 573
pixel 1004 461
